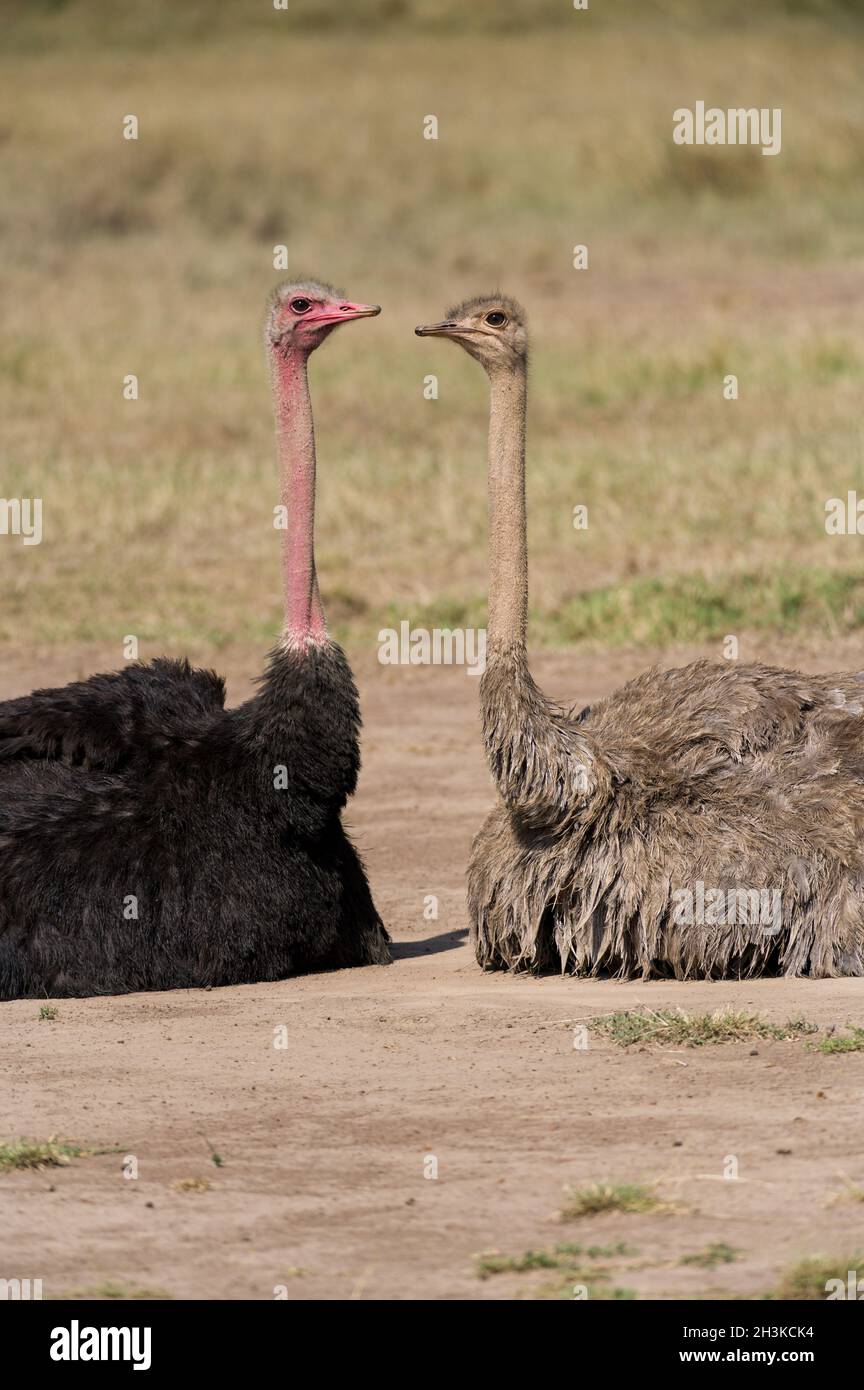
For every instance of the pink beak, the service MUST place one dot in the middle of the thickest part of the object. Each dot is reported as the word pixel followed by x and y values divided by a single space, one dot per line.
pixel 345 312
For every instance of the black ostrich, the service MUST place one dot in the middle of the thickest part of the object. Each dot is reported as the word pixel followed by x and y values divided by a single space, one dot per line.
pixel 152 839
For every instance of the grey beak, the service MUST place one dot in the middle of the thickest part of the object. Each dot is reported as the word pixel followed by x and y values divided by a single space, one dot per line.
pixel 429 330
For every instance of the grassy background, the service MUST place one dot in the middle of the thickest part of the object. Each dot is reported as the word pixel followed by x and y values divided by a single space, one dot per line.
pixel 154 257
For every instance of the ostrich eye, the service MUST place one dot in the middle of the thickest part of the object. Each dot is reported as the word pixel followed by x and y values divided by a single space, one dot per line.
pixel 496 319
pixel 300 306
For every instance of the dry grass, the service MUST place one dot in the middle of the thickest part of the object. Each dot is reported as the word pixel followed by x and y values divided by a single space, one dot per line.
pixel 675 1027
pixel 115 1289
pixel 600 1197
pixel 192 1185
pixel 154 257
pixel 807 1279
pixel 850 1192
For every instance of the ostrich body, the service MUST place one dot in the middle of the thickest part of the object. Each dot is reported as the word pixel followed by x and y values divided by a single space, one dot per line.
pixel 150 838
pixel 700 822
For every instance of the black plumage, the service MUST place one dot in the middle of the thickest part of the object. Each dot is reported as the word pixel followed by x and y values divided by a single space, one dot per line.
pixel 150 838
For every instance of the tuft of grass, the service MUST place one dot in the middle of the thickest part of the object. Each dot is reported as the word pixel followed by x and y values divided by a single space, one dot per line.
pixel 489 1264
pixel 674 1026
pixel 600 1197
pixel 807 1279
pixel 595 1292
pixel 215 1158
pixel 48 1012
pixel 116 1289
pixel 566 1259
pixel 605 1252
pixel 563 1255
pixel 853 1043
pixel 192 1185
pixel 718 1253
pixel 850 1192
pixel 39 1153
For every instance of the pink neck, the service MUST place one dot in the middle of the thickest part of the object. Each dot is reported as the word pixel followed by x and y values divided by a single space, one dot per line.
pixel 295 443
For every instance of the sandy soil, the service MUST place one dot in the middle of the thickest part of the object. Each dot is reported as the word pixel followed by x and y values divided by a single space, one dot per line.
pixel 324 1142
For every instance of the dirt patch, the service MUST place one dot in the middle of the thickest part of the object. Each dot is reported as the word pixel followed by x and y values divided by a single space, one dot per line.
pixel 389 1072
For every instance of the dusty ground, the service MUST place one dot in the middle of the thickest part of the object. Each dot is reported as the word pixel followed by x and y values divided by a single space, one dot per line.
pixel 322 1187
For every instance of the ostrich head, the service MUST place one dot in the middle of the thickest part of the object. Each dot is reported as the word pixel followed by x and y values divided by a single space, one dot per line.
pixel 491 328
pixel 302 313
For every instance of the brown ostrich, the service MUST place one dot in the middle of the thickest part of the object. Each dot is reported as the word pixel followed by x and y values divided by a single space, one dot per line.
pixel 700 822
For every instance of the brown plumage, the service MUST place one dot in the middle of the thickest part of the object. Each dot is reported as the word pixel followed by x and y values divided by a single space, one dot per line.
pixel 700 822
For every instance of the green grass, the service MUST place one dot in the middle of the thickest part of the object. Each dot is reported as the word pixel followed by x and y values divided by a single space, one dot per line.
pixel 699 608
pixel 675 1027
pixel 215 1158
pixel 718 1253
pixel 38 1153
pixel 487 1265
pixel 562 1254
pixel 598 1198
pixel 46 1011
pixel 854 1042
pixel 45 1153
pixel 657 612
